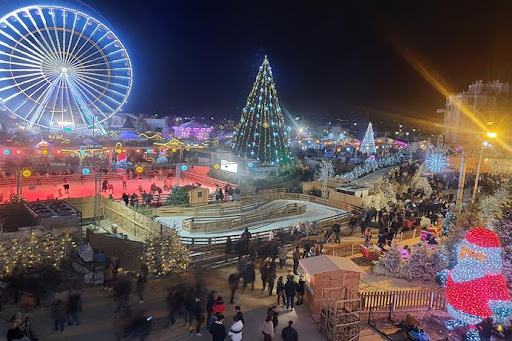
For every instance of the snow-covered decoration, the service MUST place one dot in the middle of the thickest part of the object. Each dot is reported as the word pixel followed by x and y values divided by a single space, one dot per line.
pixel 491 206
pixel 420 183
pixel 368 143
pixel 381 194
pixel 370 167
pixel 421 262
pixel 476 288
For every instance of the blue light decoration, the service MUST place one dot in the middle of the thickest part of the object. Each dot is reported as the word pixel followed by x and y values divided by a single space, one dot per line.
pixel 7 151
pixel 250 165
pixel 184 168
pixel 86 171
pixel 436 162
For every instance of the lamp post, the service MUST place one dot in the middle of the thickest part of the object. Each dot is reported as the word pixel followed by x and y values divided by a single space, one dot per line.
pixel 475 190
pixel 462 179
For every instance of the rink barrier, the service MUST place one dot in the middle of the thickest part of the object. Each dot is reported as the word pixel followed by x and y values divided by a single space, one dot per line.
pixel 214 224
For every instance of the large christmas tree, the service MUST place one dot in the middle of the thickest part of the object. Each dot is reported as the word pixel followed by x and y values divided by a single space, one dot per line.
pixel 368 143
pixel 261 134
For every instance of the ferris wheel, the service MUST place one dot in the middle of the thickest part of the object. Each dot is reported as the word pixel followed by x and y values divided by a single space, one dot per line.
pixel 61 69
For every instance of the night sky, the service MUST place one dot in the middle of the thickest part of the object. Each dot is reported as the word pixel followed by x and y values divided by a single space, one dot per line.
pixel 332 58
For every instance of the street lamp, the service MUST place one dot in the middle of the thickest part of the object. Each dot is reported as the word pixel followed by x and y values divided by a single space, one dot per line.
pixel 484 145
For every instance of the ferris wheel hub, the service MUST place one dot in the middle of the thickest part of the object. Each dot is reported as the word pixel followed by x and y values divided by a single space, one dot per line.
pixel 64 69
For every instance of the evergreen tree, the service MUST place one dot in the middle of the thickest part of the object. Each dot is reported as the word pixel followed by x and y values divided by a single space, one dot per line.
pixel 178 196
pixel 368 143
pixel 261 133
pixel 470 217
pixel 166 254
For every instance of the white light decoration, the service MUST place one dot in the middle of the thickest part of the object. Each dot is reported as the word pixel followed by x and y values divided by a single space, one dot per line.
pixel 61 69
pixel 436 162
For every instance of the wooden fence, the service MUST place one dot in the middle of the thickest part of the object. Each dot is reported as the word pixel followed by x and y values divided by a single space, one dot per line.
pixel 129 252
pixel 351 249
pixel 402 300
pixel 130 220
pixel 209 224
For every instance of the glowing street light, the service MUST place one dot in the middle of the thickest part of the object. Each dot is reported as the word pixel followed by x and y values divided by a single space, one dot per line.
pixel 492 134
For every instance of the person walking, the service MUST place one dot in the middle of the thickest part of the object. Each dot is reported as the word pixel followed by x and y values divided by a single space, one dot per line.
pixel 125 180
pixel 218 330
pixel 209 304
pixel 218 308
pixel 59 315
pixel 268 328
pixel 289 333
pixel 290 288
pixel 280 291
pixel 301 290
pixel 282 254
pixel 271 279
pixel 296 257
pixel 235 332
pixel 233 280
pixel 141 284
pixel 336 229
pixel 264 270
pixel 239 315
pixel 74 304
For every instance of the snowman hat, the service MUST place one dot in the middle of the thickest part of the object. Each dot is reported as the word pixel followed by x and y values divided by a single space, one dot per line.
pixel 483 237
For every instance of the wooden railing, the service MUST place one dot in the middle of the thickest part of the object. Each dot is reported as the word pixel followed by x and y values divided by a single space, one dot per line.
pixel 402 300
pixel 350 249
pixel 130 220
pixel 208 224
pixel 56 179
pixel 218 242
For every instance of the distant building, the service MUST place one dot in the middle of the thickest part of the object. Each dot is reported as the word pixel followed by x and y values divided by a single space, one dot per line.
pixel 488 102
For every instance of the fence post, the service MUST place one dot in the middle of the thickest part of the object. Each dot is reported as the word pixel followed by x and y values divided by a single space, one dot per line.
pixel 432 296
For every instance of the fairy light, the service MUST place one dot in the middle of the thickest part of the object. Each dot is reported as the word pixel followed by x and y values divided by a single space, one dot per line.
pixel 34 252
pixel 261 133
pixel 166 255
pixel 476 288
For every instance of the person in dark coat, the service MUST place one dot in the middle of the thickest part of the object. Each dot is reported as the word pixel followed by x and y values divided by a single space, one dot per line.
pixel 271 279
pixel 218 330
pixel 289 333
pixel 289 288
pixel 233 280
pixel 300 290
pixel 73 308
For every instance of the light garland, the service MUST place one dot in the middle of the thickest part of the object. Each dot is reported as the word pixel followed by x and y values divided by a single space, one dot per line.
pixel 476 288
pixel 261 133
pixel 166 255
pixel 34 252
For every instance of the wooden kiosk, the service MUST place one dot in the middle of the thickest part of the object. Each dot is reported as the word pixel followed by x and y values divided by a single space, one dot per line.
pixel 332 292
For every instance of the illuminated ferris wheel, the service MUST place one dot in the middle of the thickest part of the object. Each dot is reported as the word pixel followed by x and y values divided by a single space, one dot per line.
pixel 61 69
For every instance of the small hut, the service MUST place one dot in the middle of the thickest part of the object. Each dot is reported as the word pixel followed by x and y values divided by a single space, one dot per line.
pixel 325 272
pixel 198 195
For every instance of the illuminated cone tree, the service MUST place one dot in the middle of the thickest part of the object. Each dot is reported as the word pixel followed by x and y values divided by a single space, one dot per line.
pixel 261 133
pixel 368 143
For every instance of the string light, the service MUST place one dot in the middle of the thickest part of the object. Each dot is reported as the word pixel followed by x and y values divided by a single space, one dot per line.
pixel 476 288
pixel 261 133
pixel 166 255
pixel 368 143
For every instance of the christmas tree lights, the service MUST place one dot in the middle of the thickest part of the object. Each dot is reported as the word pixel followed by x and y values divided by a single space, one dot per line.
pixel 34 252
pixel 261 133
pixel 476 288
pixel 166 255
pixel 368 143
